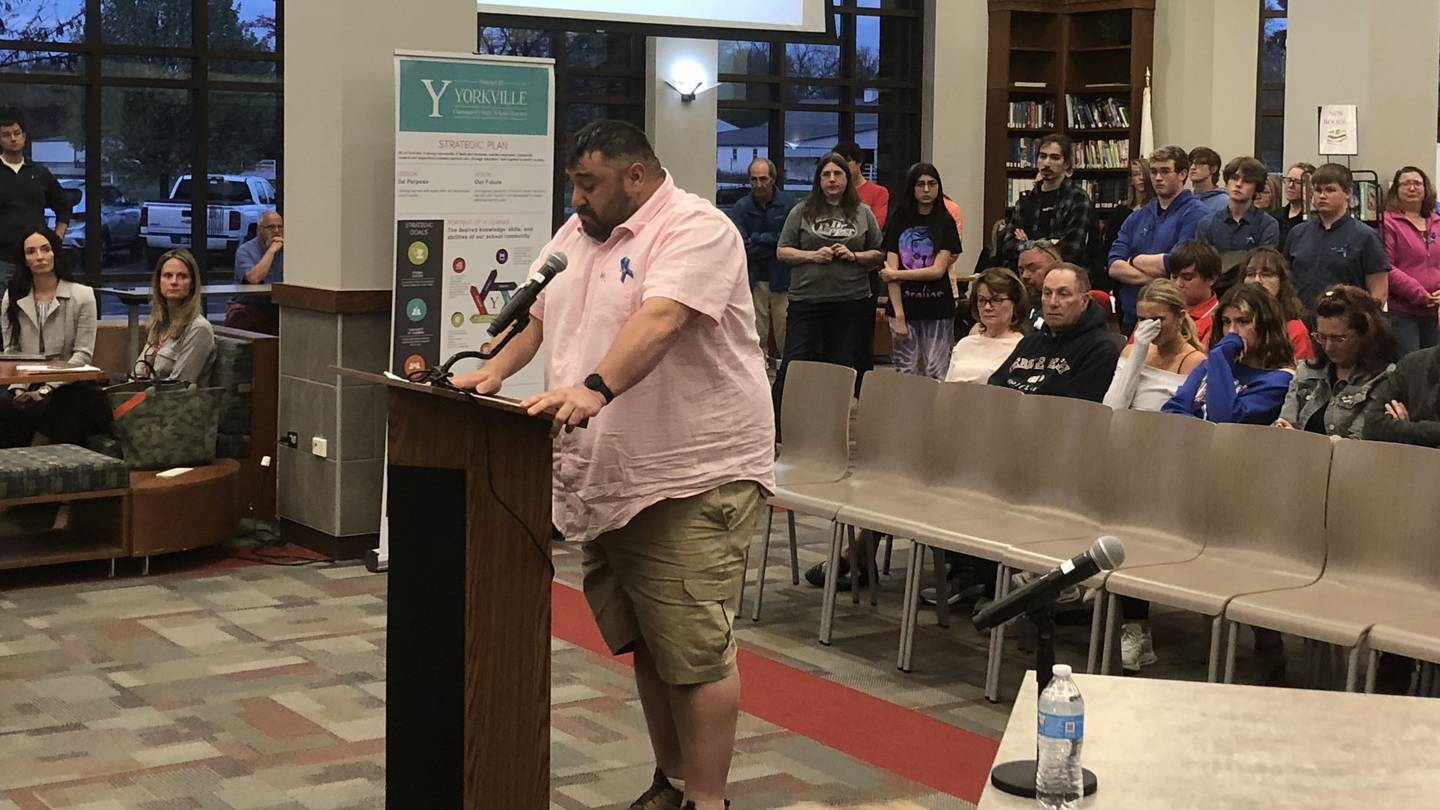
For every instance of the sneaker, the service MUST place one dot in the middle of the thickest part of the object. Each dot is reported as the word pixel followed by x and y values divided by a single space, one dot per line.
pixel 661 796
pixel 1134 640
pixel 962 587
pixel 816 576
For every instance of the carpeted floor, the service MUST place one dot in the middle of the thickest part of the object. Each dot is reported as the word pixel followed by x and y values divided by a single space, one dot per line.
pixel 217 683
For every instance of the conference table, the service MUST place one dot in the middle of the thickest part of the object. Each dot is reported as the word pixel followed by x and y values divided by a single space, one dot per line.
pixel 134 297
pixel 1180 744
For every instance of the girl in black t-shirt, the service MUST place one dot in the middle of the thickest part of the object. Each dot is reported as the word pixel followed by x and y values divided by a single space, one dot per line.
pixel 921 240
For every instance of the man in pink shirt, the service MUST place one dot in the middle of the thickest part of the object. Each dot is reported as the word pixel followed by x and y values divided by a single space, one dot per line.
pixel 652 339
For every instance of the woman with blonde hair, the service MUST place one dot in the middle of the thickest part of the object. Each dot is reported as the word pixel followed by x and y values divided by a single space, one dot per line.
pixel 1166 349
pixel 1268 196
pixel 179 341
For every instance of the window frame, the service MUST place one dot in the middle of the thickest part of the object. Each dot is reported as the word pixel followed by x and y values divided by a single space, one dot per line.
pixel 1264 114
pixel 91 78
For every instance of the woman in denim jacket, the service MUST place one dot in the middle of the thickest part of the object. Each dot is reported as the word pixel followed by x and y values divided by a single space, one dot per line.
pixel 1354 350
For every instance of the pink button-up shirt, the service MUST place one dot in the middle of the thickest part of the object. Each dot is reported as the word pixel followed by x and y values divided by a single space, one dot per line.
pixel 703 416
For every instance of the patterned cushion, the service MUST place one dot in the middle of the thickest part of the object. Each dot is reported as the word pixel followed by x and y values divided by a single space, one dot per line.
pixel 58 468
pixel 234 371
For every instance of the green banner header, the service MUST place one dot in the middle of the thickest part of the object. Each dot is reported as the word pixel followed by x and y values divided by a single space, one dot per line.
pixel 474 98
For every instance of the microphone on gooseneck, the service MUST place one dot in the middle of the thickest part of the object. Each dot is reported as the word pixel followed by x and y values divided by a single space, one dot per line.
pixel 520 304
pixel 1106 554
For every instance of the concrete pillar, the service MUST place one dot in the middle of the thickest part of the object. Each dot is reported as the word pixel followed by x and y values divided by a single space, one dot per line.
pixel 335 307
pixel 682 132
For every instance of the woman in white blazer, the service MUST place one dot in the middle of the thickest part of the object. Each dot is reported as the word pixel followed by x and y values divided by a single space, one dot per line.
pixel 43 312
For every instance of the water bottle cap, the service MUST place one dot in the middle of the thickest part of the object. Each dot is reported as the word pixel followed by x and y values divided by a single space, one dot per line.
pixel 1061 670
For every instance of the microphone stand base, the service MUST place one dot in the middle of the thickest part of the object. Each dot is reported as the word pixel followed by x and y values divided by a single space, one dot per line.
pixel 1018 778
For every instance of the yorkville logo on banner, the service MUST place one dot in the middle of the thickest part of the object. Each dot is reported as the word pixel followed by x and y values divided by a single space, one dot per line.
pixel 465 96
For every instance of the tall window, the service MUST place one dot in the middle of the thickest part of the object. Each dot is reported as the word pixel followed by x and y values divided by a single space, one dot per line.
pixel 1270 87
pixel 124 100
pixel 791 102
pixel 597 75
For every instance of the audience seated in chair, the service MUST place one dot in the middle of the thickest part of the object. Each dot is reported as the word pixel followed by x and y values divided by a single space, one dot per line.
pixel 1249 368
pixel 179 341
pixel 1166 349
pixel 1195 267
pixel 1331 394
pixel 44 313
pixel 1072 355
pixel 1405 408
pixel 1267 267
pixel 998 303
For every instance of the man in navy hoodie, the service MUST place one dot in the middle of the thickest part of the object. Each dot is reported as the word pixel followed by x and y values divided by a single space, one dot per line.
pixel 1073 354
pixel 1142 249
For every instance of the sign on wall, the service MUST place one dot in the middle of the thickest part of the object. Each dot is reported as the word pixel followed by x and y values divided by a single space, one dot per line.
pixel 474 152
pixel 1339 130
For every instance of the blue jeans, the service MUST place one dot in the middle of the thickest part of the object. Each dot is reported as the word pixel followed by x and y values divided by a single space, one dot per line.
pixel 1413 333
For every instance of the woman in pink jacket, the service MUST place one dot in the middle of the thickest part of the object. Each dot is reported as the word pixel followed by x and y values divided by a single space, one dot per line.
pixel 1410 230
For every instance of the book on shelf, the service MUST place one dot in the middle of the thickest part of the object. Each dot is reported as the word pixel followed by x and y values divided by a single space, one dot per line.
pixel 1031 85
pixel 1107 113
pixel 1110 153
pixel 1365 201
pixel 1105 85
pixel 1022 153
pixel 1106 193
pixel 1032 114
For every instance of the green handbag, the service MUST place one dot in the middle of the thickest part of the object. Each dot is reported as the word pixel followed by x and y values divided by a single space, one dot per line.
pixel 165 424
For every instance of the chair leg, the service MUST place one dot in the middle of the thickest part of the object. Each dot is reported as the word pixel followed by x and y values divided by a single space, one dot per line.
pixel 942 588
pixel 854 550
pixel 1372 665
pixel 112 566
pixel 145 572
pixel 871 551
pixel 1233 632
pixel 794 549
pixel 1097 629
pixel 744 578
pixel 997 641
pixel 889 550
pixel 832 577
pixel 1112 621
pixel 1217 630
pixel 1352 667
pixel 1427 677
pixel 910 611
pixel 764 560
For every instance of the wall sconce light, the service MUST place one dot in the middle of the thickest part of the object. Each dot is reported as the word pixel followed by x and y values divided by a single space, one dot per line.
pixel 688 79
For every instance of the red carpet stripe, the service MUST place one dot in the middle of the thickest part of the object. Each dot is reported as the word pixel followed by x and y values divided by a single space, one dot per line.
pixel 905 742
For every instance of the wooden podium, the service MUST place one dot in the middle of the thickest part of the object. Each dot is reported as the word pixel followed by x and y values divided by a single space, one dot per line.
pixel 467 712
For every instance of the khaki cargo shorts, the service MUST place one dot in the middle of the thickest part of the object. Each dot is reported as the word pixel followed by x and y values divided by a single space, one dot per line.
pixel 671 577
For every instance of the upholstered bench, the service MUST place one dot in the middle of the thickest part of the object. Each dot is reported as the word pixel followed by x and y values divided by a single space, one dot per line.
pixel 97 488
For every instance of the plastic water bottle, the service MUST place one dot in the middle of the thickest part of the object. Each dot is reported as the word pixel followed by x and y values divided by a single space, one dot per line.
pixel 1059 780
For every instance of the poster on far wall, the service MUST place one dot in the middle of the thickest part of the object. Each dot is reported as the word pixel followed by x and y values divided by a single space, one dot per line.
pixel 474 181
pixel 1339 130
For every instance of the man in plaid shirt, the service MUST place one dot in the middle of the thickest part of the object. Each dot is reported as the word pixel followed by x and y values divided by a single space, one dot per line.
pixel 1057 208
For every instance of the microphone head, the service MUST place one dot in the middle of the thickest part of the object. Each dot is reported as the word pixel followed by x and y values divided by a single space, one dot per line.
pixel 1108 552
pixel 554 263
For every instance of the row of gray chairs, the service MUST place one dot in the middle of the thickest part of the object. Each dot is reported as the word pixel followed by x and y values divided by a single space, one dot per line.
pixel 1284 530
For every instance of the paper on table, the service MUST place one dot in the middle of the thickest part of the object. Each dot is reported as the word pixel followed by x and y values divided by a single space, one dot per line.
pixel 42 368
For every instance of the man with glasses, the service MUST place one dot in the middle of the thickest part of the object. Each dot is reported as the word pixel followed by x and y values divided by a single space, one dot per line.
pixel 26 190
pixel 1204 177
pixel 1142 249
pixel 760 216
pixel 1057 208
pixel 259 261
pixel 1334 247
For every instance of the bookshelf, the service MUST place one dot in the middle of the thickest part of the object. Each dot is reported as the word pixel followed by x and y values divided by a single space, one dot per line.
pixel 1071 66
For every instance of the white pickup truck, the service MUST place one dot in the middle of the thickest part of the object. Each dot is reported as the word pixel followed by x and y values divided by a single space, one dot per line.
pixel 236 202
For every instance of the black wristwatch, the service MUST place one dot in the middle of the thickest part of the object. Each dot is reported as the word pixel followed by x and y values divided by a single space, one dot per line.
pixel 597 384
